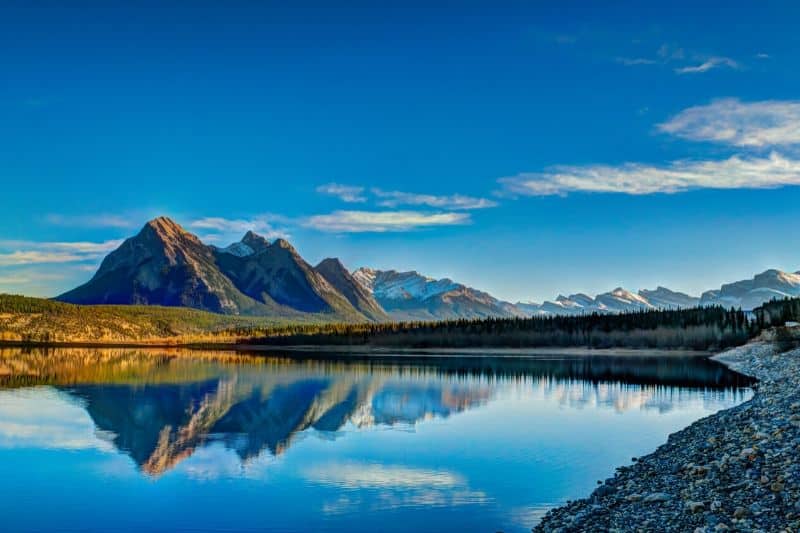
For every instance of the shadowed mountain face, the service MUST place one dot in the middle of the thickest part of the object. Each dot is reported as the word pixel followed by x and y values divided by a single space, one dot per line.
pixel 275 273
pixel 163 265
pixel 359 296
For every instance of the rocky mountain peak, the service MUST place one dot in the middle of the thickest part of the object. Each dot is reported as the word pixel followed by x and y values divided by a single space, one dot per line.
pixel 165 227
pixel 255 242
pixel 283 243
pixel 332 263
pixel 359 296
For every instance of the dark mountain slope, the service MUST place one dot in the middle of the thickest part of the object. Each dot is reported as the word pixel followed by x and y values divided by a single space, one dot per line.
pixel 164 265
pixel 359 296
pixel 276 274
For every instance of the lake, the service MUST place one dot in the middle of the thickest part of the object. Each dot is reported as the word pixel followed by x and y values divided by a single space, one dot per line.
pixel 176 440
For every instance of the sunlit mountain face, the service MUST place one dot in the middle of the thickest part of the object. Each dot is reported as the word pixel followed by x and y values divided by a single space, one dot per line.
pixel 161 407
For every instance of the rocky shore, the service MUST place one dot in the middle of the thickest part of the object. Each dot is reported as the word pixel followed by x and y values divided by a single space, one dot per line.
pixel 736 470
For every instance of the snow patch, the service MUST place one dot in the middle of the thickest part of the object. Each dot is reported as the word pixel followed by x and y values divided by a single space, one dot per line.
pixel 239 249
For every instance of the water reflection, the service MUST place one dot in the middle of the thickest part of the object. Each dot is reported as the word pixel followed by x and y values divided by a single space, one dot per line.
pixel 161 407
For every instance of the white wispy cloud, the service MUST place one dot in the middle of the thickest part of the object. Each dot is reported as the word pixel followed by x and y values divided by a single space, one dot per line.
pixel 632 61
pixel 746 124
pixel 80 247
pixel 708 64
pixel 454 201
pixel 93 221
pixel 382 221
pixel 34 258
pixel 384 198
pixel 23 277
pixel 737 172
pixel 263 225
pixel 681 61
pixel 346 193
pixel 666 53
pixel 19 252
pixel 14 280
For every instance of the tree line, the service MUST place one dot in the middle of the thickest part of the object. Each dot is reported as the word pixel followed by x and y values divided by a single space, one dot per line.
pixel 777 313
pixel 700 328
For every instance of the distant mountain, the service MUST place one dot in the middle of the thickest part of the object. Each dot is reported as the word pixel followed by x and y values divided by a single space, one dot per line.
pixel 357 294
pixel 166 265
pixel 751 293
pixel 620 300
pixel 617 301
pixel 664 298
pixel 746 294
pixel 412 296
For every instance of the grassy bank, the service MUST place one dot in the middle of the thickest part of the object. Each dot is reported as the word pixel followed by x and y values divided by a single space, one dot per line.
pixel 37 320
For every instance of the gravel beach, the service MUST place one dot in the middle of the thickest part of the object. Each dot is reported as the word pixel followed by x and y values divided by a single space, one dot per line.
pixel 736 470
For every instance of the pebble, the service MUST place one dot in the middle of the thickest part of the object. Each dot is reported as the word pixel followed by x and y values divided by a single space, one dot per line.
pixel 695 507
pixel 657 497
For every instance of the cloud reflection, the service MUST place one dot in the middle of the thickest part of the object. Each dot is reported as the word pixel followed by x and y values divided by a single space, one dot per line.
pixel 45 418
pixel 396 486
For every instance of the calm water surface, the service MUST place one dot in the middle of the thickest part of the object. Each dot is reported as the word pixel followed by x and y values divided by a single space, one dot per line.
pixel 132 440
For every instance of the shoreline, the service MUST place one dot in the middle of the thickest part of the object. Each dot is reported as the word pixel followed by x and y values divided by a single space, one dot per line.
pixel 381 351
pixel 361 350
pixel 735 470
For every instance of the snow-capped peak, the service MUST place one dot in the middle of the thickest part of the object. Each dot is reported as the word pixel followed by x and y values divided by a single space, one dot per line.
pixel 239 249
pixel 366 277
pixel 628 296
pixel 409 285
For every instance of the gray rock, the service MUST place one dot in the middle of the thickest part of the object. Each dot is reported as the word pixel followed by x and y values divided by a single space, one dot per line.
pixel 695 507
pixel 657 497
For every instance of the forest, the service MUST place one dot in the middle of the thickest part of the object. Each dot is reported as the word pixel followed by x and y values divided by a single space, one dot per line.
pixel 777 313
pixel 701 328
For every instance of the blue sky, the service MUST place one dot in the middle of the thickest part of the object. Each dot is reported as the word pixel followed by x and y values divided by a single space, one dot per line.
pixel 523 148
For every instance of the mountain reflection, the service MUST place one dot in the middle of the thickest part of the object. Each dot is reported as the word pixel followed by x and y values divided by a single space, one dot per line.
pixel 159 406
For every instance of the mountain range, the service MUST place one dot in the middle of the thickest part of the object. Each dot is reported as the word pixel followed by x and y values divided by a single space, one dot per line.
pixel 166 265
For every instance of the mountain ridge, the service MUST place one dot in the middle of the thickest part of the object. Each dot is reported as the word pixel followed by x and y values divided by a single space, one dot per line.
pixel 164 264
pixel 359 297
pixel 412 296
